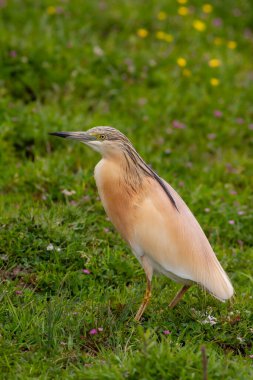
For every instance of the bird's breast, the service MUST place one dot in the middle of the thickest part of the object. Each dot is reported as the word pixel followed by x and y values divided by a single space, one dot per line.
pixel 118 200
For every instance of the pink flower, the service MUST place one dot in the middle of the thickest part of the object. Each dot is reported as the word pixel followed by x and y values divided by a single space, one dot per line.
pixel 231 222
pixel 233 192
pixel 230 168
pixel 178 125
pixel 248 33
pixel 251 356
pixel 142 101
pixel 93 332
pixel 86 198
pixel 166 332
pixel 240 212
pixel 240 242
pixel 251 126
pixel 86 271
pixel 217 113
pixel 19 292
pixel 59 10
pixel 217 22
pixel 239 120
pixel 13 53
pixel 211 136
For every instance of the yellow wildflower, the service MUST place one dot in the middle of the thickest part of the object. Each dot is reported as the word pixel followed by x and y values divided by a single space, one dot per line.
pixel 218 41
pixel 199 25
pixel 181 62
pixel 162 16
pixel 160 35
pixel 168 37
pixel 183 11
pixel 186 73
pixel 214 82
pixel 207 8
pixel 214 62
pixel 142 33
pixel 182 1
pixel 51 10
pixel 231 44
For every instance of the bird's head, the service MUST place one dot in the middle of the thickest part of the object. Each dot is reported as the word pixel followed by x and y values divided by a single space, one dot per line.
pixel 105 140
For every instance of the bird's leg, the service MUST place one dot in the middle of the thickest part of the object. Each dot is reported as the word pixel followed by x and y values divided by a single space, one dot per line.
pixel 145 301
pixel 149 272
pixel 178 296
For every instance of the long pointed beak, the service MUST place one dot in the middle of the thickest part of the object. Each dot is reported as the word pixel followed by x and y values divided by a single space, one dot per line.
pixel 81 136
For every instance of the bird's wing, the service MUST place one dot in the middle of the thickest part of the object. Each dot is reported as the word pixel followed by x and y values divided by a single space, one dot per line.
pixel 174 239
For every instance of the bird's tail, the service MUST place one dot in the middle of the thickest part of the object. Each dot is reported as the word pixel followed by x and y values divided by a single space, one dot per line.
pixel 216 280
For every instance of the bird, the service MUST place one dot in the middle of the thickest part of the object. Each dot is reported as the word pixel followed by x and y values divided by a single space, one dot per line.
pixel 152 218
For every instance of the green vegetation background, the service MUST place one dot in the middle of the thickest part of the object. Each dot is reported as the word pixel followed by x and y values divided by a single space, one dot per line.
pixel 178 82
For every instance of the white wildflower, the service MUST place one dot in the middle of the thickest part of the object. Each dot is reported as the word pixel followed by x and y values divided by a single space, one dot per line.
pixel 210 320
pixel 98 51
pixel 68 193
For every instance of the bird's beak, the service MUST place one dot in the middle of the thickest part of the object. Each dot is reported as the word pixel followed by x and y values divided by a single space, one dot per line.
pixel 81 136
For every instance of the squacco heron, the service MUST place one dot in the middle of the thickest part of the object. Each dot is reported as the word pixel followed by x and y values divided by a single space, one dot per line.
pixel 152 218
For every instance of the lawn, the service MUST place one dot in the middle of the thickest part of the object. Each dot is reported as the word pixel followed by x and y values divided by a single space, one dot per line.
pixel 176 78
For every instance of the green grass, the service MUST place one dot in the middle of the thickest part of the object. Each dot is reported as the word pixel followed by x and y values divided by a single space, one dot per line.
pixel 71 65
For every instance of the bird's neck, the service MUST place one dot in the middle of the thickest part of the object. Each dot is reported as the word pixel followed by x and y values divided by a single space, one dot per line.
pixel 131 171
pixel 127 167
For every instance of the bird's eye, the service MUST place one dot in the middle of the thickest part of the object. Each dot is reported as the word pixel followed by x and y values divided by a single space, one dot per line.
pixel 102 137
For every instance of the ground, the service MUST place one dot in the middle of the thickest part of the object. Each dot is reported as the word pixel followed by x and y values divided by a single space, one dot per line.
pixel 176 77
